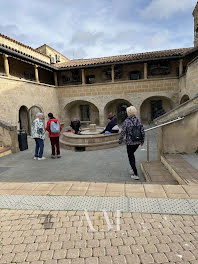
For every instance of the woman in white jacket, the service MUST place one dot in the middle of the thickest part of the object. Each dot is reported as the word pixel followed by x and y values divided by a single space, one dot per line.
pixel 38 133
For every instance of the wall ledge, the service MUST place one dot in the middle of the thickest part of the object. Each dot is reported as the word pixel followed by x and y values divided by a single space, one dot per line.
pixel 11 78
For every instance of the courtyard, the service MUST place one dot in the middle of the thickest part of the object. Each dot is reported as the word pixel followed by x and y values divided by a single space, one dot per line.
pixel 109 165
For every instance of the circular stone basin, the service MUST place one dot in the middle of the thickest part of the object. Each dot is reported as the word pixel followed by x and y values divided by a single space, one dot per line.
pixel 89 140
pixel 87 131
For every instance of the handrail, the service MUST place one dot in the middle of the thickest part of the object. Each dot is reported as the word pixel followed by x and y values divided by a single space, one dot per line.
pixel 152 128
pixel 167 123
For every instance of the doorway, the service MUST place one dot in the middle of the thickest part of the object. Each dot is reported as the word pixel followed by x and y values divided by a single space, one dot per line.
pixel 24 119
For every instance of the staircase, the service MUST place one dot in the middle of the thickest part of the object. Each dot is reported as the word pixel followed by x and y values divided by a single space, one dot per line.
pixel 171 169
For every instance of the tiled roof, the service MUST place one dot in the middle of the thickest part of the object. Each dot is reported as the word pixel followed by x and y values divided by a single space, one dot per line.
pixel 125 58
pixel 21 44
pixel 22 53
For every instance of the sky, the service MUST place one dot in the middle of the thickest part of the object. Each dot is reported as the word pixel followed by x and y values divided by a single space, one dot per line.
pixel 96 28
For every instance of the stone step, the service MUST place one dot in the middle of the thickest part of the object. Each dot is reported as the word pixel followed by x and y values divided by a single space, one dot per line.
pixel 156 173
pixel 181 169
pixel 5 151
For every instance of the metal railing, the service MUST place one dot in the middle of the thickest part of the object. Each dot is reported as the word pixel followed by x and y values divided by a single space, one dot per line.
pixel 155 127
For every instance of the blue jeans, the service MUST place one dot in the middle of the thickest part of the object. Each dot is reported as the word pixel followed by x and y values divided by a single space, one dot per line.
pixel 39 147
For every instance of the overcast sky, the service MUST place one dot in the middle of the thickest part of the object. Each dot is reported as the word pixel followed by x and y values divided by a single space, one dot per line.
pixel 95 28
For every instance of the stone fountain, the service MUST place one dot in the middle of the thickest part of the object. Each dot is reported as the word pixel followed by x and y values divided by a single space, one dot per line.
pixel 89 139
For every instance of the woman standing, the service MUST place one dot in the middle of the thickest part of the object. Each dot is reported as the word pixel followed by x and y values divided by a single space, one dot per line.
pixel 54 128
pixel 134 131
pixel 38 133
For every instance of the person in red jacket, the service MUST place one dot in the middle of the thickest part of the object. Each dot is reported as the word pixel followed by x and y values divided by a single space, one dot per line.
pixel 54 128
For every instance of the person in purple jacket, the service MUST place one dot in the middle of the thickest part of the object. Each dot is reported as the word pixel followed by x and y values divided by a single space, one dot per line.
pixel 134 131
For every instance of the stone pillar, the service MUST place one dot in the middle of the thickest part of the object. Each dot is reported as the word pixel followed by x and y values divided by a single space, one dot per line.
pixel 180 67
pixel 101 117
pixel 83 76
pixel 55 79
pixel 112 74
pixel 6 65
pixel 36 73
pixel 145 71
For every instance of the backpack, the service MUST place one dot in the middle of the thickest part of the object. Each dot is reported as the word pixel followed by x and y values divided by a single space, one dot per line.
pixel 135 133
pixel 55 127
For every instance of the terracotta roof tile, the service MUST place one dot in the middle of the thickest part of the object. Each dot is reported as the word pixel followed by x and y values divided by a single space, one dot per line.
pixel 25 54
pixel 123 58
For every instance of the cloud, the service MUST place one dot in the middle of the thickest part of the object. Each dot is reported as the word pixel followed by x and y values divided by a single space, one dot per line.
pixel 167 8
pixel 92 28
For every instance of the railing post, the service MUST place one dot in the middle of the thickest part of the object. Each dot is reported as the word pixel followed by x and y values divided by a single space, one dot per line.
pixel 148 148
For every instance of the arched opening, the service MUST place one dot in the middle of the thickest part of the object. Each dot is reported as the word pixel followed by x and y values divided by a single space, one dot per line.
pixel 184 99
pixel 23 119
pixel 118 108
pixel 32 114
pixel 85 111
pixel 155 106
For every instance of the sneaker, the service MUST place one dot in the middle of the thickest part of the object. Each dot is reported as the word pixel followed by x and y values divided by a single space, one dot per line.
pixel 135 177
pixel 43 158
pixel 58 156
pixel 35 158
pixel 53 157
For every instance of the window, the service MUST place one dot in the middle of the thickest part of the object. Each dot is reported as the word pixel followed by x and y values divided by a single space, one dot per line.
pixel 134 75
pixel 90 79
pixel 84 113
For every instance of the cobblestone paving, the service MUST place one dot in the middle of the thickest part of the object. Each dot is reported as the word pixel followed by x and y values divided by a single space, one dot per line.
pixel 66 237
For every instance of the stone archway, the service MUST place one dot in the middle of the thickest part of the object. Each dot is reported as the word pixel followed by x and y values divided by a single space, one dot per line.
pixel 154 107
pixel 184 99
pixel 24 119
pixel 85 111
pixel 118 108
pixel 32 113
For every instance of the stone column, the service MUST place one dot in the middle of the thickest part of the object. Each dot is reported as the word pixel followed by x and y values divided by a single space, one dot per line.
pixel 36 73
pixel 180 67
pixel 55 79
pixel 83 76
pixel 101 117
pixel 112 74
pixel 145 71
pixel 6 65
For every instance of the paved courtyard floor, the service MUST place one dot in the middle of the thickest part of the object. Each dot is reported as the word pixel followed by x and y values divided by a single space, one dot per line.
pixel 110 165
pixel 73 237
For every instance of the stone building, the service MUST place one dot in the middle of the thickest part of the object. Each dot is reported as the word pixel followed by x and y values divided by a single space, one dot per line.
pixel 42 79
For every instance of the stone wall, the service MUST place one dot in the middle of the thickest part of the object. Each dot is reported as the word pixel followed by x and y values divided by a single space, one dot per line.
pixel 134 92
pixel 181 136
pixel 192 78
pixel 9 136
pixel 188 83
pixel 15 93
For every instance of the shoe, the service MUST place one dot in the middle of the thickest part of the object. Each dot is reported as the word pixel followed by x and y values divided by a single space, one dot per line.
pixel 35 158
pixel 53 157
pixel 135 177
pixel 43 158
pixel 58 156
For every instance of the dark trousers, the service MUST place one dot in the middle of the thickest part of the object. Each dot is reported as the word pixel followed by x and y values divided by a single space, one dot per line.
pixel 131 149
pixel 55 145
pixel 39 147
